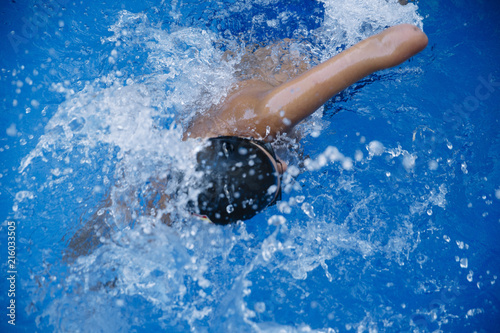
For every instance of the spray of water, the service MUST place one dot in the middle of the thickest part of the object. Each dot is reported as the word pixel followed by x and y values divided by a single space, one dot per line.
pixel 114 148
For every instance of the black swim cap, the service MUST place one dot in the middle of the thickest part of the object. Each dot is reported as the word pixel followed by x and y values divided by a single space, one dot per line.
pixel 240 179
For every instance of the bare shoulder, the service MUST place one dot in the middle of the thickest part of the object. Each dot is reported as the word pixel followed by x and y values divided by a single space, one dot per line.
pixel 257 108
pixel 236 115
pixel 261 69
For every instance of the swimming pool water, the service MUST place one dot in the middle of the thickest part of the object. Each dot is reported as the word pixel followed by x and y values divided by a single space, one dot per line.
pixel 390 218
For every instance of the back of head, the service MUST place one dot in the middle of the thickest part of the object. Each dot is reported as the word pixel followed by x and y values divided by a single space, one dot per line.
pixel 239 178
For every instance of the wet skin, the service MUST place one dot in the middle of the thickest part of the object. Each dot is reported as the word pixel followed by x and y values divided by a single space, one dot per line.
pixel 257 109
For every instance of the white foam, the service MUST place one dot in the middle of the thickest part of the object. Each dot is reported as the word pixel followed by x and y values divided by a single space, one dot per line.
pixel 347 22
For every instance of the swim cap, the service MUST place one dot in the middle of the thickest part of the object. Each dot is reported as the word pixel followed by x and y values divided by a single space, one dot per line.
pixel 240 179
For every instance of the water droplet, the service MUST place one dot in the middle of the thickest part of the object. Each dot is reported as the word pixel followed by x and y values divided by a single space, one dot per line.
pixel 12 131
pixel 276 220
pixel 433 165
pixel 375 148
pixel 300 198
pixel 409 161
pixel 260 307
pixel 358 156
pixel 464 263
pixel 347 164
pixel 284 207
pixel 469 276
pixel 464 168
pixel 421 258
pixel 308 209
pixel 76 124
pixel 293 171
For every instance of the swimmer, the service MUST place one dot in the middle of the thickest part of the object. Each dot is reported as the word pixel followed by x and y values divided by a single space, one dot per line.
pixel 243 171
pixel 242 174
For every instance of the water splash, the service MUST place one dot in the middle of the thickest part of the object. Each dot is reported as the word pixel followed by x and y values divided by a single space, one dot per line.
pixel 124 128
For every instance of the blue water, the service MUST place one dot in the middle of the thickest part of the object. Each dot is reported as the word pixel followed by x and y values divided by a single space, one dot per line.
pixel 390 218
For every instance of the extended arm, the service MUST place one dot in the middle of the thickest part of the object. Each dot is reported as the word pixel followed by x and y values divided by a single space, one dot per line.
pixel 257 109
pixel 300 97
